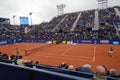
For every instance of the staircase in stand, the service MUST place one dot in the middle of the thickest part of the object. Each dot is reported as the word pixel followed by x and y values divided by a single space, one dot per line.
pixel 96 21
pixel 75 23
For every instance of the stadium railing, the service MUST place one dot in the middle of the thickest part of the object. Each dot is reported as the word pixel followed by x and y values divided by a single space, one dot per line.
pixel 74 73
pixel 15 72
pixel 66 71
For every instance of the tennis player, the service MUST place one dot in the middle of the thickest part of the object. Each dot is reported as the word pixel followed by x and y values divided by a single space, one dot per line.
pixel 110 52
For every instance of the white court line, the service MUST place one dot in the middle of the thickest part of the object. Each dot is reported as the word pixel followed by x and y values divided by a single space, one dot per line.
pixel 51 54
pixel 37 47
pixel 63 58
pixel 57 49
pixel 78 57
pixel 67 50
pixel 94 52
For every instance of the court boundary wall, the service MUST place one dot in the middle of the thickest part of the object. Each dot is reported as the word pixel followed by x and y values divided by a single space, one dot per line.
pixel 18 40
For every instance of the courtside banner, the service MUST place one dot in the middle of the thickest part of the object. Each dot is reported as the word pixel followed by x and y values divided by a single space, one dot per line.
pixel 11 41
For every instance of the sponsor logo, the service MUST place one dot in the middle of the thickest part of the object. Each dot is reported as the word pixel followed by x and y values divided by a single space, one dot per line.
pixel 49 42
pixel 115 42
pixel 3 42
pixel 104 41
pixel 86 41
pixel 69 42
pixel 27 40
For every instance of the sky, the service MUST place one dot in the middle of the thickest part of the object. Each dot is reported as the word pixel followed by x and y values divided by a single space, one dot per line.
pixel 45 10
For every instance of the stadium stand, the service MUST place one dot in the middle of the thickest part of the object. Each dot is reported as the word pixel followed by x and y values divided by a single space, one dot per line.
pixel 89 24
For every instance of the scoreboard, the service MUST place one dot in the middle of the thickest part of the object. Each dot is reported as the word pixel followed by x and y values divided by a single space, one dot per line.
pixel 24 21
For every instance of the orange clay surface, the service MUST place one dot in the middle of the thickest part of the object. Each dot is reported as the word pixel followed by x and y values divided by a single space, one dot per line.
pixel 76 55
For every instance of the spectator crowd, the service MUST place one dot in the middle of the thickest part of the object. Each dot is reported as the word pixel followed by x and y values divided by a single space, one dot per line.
pixel 61 27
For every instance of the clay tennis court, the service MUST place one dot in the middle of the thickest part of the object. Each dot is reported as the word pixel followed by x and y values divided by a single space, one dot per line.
pixel 72 54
